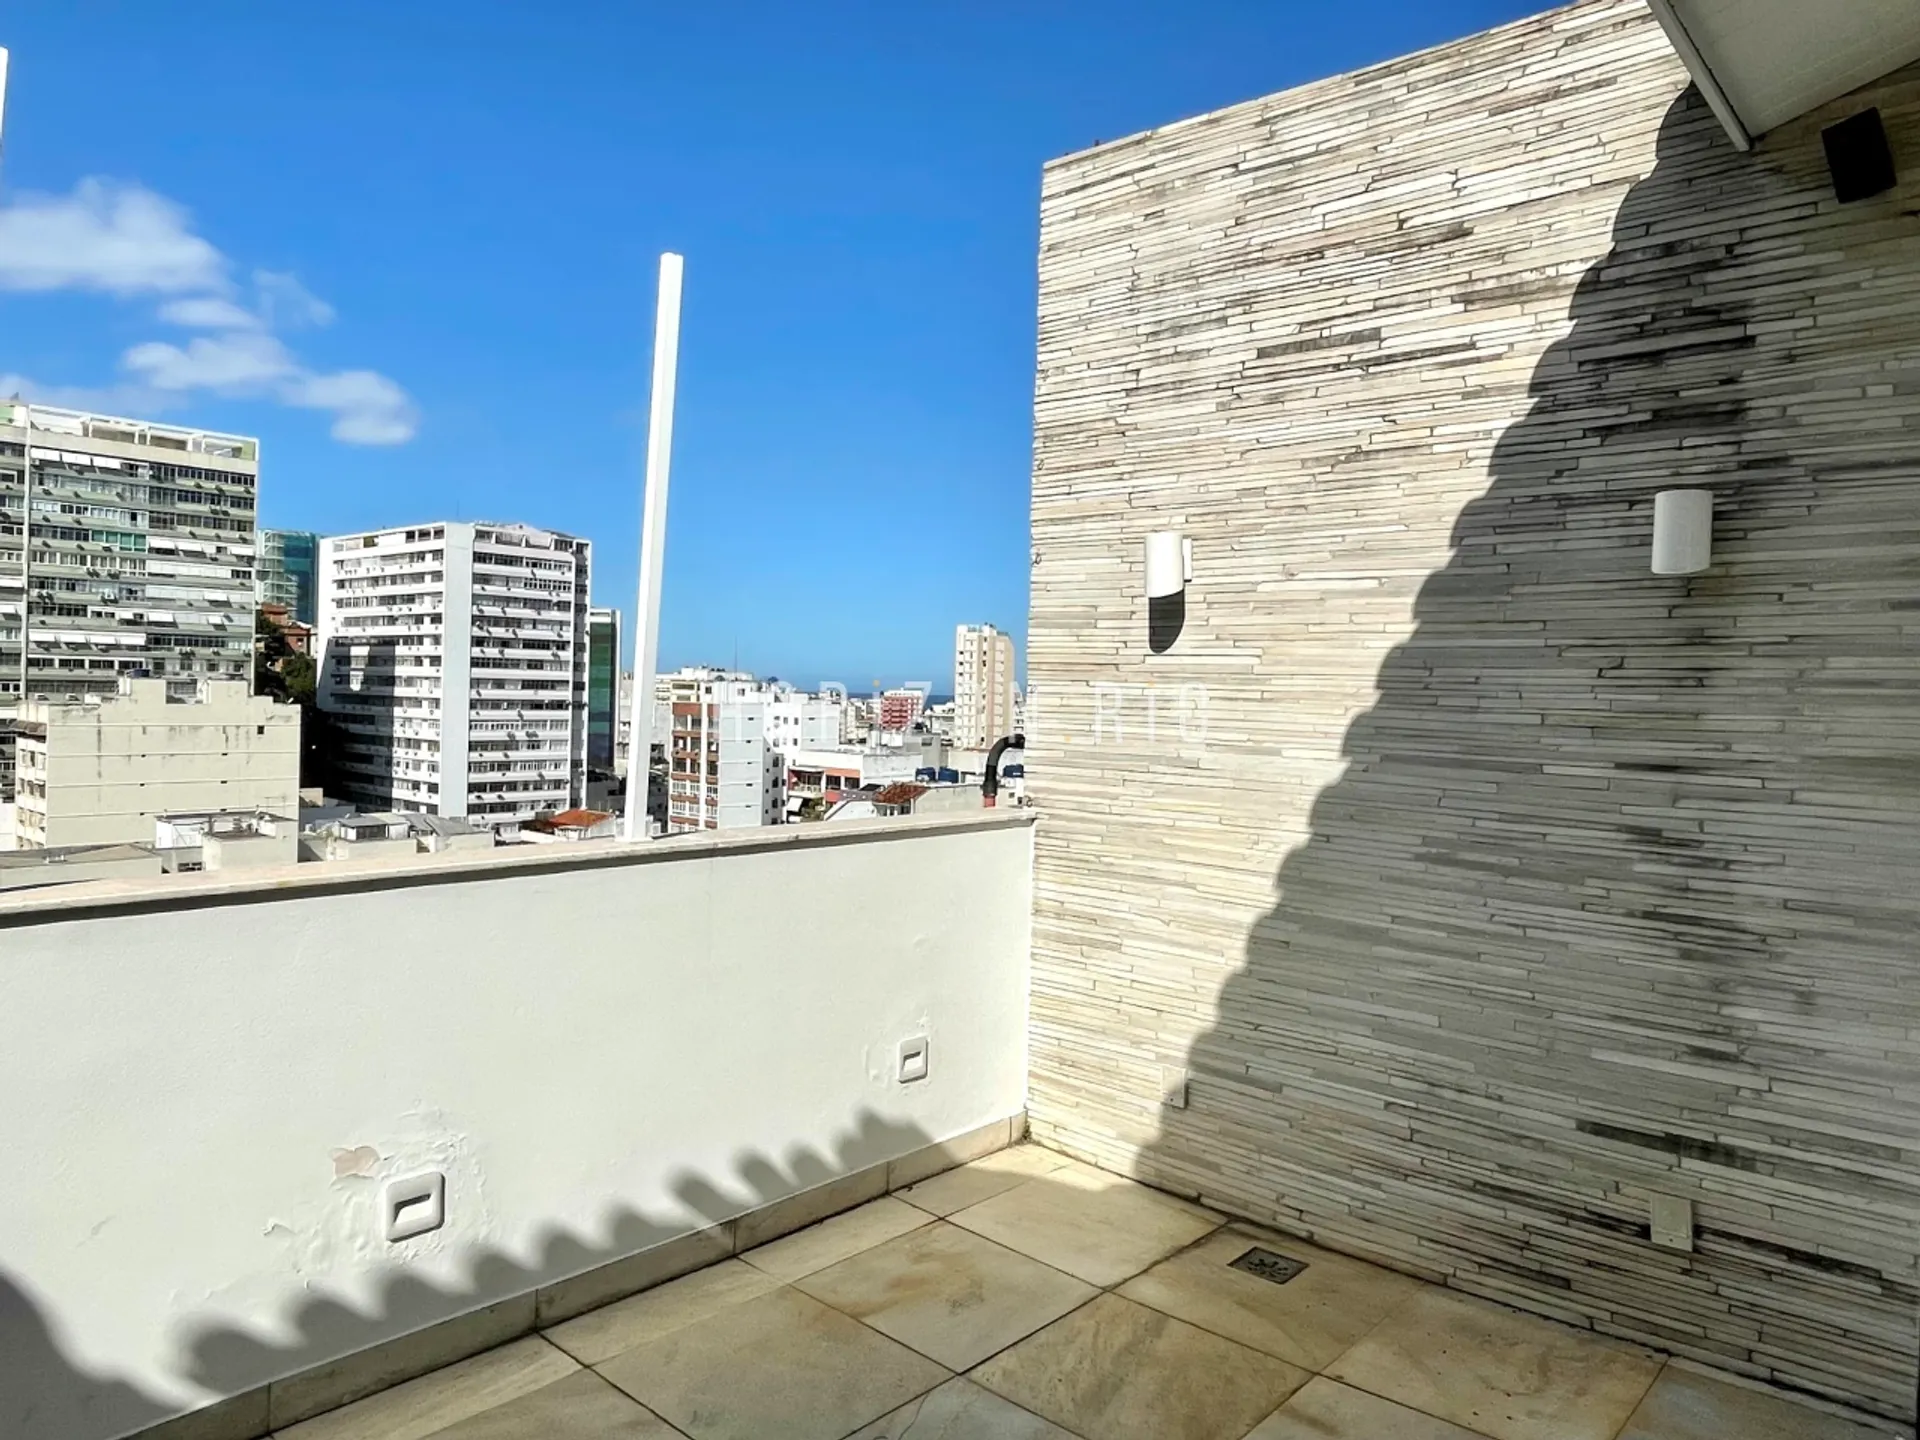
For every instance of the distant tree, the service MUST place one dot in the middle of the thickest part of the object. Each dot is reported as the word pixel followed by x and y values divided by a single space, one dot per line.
pixel 298 677
pixel 268 639
pixel 266 679
pixel 270 654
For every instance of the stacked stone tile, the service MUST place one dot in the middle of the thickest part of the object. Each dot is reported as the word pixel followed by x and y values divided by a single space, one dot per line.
pixel 1484 883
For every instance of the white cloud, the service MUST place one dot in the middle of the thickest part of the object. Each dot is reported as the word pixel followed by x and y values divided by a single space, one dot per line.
pixel 209 312
pixel 285 302
pixel 126 241
pixel 117 239
pixel 368 409
pixel 241 362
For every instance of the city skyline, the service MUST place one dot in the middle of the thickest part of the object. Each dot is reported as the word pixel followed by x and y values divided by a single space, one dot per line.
pixel 858 333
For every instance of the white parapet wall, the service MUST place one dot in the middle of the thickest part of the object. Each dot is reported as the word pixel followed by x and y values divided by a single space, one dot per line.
pixel 210 1081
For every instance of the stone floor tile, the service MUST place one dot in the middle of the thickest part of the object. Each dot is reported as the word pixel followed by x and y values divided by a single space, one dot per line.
pixel 781 1364
pixel 580 1407
pixel 970 1184
pixel 1686 1405
pixel 1114 1370
pixel 1309 1320
pixel 952 1295
pixel 961 1410
pixel 601 1334
pixel 831 1241
pixel 433 1402
pixel 1327 1410
pixel 1098 1227
pixel 1491 1369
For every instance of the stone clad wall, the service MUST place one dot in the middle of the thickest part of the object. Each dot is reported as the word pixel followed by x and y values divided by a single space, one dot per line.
pixel 1483 883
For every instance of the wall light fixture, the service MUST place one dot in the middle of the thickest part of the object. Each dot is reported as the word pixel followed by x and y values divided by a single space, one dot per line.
pixel 1682 532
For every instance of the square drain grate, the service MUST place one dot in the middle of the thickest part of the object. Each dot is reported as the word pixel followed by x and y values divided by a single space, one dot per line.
pixel 1269 1266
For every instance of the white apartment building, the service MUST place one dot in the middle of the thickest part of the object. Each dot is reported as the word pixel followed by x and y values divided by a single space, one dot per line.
pixel 623 723
pixel 797 721
pixel 938 719
pixel 140 561
pixel 857 720
pixel 824 771
pixel 722 774
pixel 100 770
pixel 983 685
pixel 453 658
pixel 753 775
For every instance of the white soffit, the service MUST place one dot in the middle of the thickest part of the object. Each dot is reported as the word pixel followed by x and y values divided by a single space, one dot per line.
pixel 1762 62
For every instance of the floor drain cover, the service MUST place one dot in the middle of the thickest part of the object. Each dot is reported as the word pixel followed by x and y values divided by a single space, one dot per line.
pixel 1269 1266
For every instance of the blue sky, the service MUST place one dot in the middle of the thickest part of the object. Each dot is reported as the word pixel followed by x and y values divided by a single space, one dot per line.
pixel 413 247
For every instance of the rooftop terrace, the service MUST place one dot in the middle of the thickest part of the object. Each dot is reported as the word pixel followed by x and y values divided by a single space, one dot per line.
pixel 1027 1296
pixel 1437 894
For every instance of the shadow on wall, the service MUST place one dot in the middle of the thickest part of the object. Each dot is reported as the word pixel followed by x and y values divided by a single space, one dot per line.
pixel 1615 894
pixel 327 733
pixel 44 1395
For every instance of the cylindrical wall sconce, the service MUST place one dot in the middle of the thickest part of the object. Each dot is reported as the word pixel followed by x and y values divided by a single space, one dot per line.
pixel 1682 532
pixel 1169 568
pixel 1169 563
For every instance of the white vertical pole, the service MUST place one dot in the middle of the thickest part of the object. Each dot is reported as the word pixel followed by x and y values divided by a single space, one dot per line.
pixel 653 544
pixel 26 467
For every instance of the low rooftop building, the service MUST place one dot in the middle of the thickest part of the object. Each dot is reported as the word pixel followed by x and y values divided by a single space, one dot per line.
pixel 374 835
pixel 100 770
pixel 71 864
pixel 438 833
pixel 226 840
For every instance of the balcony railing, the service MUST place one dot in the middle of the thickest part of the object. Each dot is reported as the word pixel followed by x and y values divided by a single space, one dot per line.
pixel 269 1050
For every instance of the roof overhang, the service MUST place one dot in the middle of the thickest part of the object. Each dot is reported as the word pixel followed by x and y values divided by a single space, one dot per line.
pixel 1760 63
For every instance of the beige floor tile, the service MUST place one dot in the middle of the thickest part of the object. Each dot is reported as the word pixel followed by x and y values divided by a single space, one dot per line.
pixel 950 1294
pixel 1114 1370
pixel 1093 1225
pixel 1310 1320
pixel 961 1410
pixel 781 1364
pixel 1328 1410
pixel 601 1334
pixel 1507 1375
pixel 832 1241
pixel 433 1402
pixel 1026 1158
pixel 1685 1405
pixel 580 1407
pixel 983 1179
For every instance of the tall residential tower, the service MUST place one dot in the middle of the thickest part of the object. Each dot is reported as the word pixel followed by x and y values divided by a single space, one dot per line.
pixel 453 659
pixel 140 559
pixel 983 685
